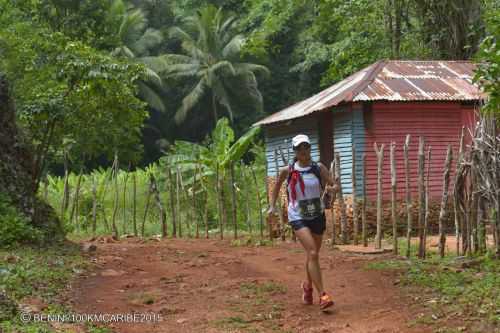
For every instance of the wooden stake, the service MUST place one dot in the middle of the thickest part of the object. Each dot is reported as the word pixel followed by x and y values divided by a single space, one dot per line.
pixel 354 200
pixel 332 174
pixel 246 198
pixel 185 195
pixel 444 201
pixel 125 200
pixel 94 206
pixel 259 202
pixel 233 200
pixel 394 199
pixel 146 209
pixel 197 231
pixel 115 204
pixel 380 156
pixel 406 148
pixel 456 212
pixel 177 194
pixel 172 201
pixel 340 196
pixel 427 198
pixel 280 212
pixel 156 193
pixel 363 207
pixel 421 198
pixel 134 202
pixel 219 204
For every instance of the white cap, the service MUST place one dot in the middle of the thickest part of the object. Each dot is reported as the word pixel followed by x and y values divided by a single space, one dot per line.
pixel 298 139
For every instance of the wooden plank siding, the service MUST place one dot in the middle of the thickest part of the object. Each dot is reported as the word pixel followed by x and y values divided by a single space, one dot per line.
pixel 281 136
pixel 438 122
pixel 348 128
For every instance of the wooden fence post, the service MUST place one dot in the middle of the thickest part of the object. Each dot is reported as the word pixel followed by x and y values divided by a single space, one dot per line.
pixel 134 202
pixel 393 198
pixel 380 157
pixel 115 205
pixel 406 148
pixel 427 198
pixel 457 217
pixel 354 201
pixel 155 190
pixel 421 200
pixel 259 201
pixel 363 207
pixel 233 201
pixel 340 196
pixel 332 174
pixel 444 201
pixel 172 201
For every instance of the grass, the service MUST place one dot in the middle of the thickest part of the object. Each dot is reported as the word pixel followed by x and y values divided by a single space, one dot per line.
pixel 255 310
pixel 453 294
pixel 40 273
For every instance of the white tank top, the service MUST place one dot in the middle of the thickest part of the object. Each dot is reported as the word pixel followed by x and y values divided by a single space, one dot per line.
pixel 312 190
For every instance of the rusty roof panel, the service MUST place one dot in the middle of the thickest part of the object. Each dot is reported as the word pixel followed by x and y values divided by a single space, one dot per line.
pixel 392 80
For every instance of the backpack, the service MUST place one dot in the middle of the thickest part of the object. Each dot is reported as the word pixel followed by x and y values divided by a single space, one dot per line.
pixel 316 170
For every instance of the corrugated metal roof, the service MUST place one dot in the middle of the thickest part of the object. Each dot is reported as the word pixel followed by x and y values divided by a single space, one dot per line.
pixel 392 80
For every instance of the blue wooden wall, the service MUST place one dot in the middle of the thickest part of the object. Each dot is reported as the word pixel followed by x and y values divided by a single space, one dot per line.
pixel 348 128
pixel 281 136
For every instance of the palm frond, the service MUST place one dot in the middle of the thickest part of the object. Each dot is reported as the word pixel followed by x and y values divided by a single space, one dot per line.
pixel 181 70
pixel 151 97
pixel 149 39
pixel 189 101
pixel 233 48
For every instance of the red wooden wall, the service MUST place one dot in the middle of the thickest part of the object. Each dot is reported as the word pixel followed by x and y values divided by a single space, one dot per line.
pixel 438 122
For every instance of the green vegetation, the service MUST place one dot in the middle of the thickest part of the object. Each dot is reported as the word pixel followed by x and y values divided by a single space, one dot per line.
pixel 15 228
pixel 460 292
pixel 42 273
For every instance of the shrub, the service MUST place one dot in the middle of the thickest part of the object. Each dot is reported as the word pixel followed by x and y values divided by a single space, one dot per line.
pixel 14 226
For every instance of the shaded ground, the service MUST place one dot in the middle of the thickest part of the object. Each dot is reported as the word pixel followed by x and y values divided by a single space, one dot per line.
pixel 211 286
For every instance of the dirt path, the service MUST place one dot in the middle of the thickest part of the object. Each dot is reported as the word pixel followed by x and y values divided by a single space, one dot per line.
pixel 210 286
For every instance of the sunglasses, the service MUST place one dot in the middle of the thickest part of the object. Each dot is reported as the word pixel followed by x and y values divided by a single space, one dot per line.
pixel 302 146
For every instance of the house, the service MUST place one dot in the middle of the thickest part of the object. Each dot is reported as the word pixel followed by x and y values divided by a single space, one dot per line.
pixel 381 103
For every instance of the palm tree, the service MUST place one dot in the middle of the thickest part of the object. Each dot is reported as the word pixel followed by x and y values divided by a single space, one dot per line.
pixel 135 39
pixel 211 55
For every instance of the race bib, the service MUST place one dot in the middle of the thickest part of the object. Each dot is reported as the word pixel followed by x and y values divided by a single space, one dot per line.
pixel 310 208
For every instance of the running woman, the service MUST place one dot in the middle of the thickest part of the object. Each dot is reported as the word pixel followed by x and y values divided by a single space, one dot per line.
pixel 306 211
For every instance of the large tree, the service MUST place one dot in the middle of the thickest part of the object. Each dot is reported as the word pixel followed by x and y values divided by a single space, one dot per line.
pixel 212 59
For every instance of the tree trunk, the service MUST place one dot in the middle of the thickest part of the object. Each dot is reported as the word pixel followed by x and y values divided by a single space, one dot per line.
pixel 393 199
pixel 406 148
pixel 380 157
pixel 444 201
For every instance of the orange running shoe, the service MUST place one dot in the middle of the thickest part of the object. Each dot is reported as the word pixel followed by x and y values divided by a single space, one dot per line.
pixel 307 293
pixel 325 301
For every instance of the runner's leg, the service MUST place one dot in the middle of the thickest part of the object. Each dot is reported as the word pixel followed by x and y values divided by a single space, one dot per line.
pixel 306 239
